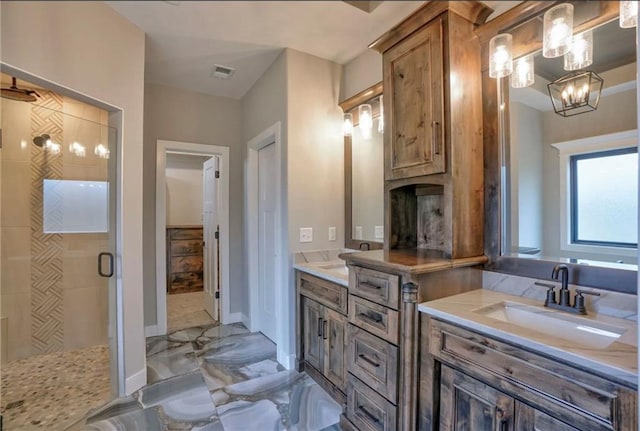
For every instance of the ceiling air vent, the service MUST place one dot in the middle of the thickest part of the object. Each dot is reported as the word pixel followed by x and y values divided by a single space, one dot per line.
pixel 223 72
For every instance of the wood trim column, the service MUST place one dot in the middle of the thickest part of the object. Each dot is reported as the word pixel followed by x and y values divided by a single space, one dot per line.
pixel 408 393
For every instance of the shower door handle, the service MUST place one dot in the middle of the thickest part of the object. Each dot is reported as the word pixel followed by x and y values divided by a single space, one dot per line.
pixel 110 272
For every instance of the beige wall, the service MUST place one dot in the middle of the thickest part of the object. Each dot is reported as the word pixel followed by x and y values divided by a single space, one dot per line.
pixel 97 53
pixel 361 73
pixel 264 105
pixel 184 189
pixel 77 313
pixel 315 151
pixel 179 115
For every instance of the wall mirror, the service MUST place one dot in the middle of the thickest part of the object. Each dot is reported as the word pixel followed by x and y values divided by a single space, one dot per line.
pixel 572 190
pixel 364 170
pixel 550 177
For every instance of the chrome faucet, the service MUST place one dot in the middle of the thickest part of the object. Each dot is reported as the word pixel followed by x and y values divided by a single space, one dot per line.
pixel 564 302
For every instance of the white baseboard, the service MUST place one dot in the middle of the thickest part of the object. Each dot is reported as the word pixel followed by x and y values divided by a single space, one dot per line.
pixel 135 381
pixel 234 318
pixel 288 361
pixel 151 331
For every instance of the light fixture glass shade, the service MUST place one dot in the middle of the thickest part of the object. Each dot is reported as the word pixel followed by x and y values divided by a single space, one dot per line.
pixel 381 117
pixel 365 120
pixel 575 93
pixel 348 124
pixel 580 55
pixel 557 29
pixel 500 56
pixel 523 72
pixel 628 14
pixel 101 151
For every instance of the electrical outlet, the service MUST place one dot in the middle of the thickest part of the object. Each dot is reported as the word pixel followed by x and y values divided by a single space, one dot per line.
pixel 306 234
pixel 332 233
pixel 358 234
pixel 379 232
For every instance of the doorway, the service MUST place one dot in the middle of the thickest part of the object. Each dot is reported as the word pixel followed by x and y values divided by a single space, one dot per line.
pixel 276 245
pixel 192 236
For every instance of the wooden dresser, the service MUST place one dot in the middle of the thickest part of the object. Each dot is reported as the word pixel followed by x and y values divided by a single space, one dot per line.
pixel 184 259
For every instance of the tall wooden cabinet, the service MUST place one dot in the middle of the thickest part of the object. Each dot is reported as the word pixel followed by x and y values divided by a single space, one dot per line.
pixel 433 130
pixel 413 87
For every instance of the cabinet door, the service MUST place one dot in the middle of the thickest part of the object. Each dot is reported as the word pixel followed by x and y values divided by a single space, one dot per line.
pixel 467 404
pixel 528 418
pixel 413 81
pixel 312 333
pixel 334 332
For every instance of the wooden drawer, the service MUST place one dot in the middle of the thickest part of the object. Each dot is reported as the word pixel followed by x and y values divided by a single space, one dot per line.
pixel 325 292
pixel 178 233
pixel 184 247
pixel 375 286
pixel 378 320
pixel 574 396
pixel 367 410
pixel 374 361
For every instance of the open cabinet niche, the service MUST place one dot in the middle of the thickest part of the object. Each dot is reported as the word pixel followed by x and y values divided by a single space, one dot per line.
pixel 418 218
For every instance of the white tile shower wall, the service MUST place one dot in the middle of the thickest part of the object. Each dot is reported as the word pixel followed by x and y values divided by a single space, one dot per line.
pixel 615 304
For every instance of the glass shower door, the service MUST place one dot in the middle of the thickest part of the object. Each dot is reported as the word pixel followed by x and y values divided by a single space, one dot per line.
pixel 58 290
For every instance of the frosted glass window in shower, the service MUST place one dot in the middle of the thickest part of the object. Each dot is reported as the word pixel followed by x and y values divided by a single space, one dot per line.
pixel 75 206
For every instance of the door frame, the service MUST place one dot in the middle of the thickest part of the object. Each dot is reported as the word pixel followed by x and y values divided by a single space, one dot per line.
pixel 188 148
pixel 285 304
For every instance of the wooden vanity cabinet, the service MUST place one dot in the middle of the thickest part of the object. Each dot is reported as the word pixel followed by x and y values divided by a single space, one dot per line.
pixel 322 332
pixel 469 381
pixel 184 259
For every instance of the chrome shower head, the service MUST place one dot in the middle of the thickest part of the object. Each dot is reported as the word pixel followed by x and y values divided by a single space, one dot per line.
pixel 41 140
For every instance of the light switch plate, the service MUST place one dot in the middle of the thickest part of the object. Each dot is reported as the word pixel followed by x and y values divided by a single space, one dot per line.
pixel 358 234
pixel 332 233
pixel 306 234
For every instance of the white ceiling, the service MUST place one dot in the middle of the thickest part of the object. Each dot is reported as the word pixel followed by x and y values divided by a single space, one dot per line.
pixel 186 38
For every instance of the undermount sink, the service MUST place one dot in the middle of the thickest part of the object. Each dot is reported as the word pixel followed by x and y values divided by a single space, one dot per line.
pixel 340 268
pixel 590 333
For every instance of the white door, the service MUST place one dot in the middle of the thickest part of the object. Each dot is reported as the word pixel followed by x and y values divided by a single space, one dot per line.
pixel 267 240
pixel 210 210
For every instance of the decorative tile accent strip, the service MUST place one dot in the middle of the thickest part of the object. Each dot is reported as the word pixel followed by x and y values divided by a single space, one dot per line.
pixel 47 327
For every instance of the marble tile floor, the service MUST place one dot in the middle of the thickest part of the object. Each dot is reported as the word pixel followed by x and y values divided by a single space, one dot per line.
pixel 50 391
pixel 218 378
pixel 185 310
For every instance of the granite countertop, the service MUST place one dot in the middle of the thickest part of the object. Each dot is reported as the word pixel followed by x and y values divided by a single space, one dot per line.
pixel 412 261
pixel 333 270
pixel 617 361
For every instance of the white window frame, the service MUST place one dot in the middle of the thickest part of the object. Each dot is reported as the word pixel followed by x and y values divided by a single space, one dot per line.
pixel 592 144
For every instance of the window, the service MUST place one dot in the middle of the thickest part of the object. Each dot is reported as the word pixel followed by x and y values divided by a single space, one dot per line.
pixel 604 198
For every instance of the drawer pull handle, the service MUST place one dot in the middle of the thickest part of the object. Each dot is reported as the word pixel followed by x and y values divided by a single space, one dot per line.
pixel 366 359
pixel 370 286
pixel 435 140
pixel 324 330
pixel 368 414
pixel 319 326
pixel 376 318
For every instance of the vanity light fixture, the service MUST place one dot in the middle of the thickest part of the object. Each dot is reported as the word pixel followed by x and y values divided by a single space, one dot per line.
pixel 347 126
pixel 365 120
pixel 628 14
pixel 101 151
pixel 575 93
pixel 523 72
pixel 78 149
pixel 381 117
pixel 580 54
pixel 500 56
pixel 557 28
